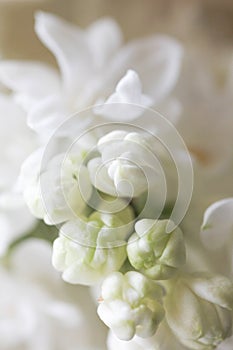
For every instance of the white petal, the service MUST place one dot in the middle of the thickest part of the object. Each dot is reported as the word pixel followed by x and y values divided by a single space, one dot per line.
pixel 216 289
pixel 104 38
pixel 30 169
pixel 217 226
pixel 69 45
pixel 156 59
pixel 121 104
pixel 98 173
pixel 29 79
pixel 46 116
pixel 55 114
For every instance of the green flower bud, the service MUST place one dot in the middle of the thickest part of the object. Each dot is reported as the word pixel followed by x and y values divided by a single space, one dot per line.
pixel 131 305
pixel 155 252
pixel 89 249
pixel 198 310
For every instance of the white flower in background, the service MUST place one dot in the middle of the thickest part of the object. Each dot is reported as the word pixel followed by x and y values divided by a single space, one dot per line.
pixel 91 63
pixel 205 92
pixel 125 165
pixel 37 310
pixel 199 310
pixel 89 249
pixel 17 142
pixel 217 233
pixel 153 251
pixel 217 226
pixel 131 304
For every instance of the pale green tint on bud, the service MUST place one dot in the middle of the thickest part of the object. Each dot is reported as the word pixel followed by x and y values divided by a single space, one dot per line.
pixel 89 249
pixel 153 251
pixel 198 310
pixel 131 305
pixel 115 205
pixel 68 188
pixel 60 191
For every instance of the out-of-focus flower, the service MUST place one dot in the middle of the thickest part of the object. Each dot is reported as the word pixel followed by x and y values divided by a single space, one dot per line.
pixel 37 310
pixel 155 252
pixel 82 56
pixel 125 165
pixel 89 249
pixel 217 234
pixel 131 304
pixel 198 310
pixel 17 142
pixel 217 226
pixel 205 92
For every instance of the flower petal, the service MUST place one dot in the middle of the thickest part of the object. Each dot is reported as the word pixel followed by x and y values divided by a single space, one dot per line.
pixel 104 38
pixel 124 102
pixel 25 78
pixel 157 60
pixel 217 225
pixel 67 43
pixel 77 51
pixel 55 114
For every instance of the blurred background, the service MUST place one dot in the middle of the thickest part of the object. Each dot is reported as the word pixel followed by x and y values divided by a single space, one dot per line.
pixel 208 23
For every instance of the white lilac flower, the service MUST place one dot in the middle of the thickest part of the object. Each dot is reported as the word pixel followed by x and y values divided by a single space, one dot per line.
pixel 57 191
pixel 38 311
pixel 89 249
pixel 17 142
pixel 155 252
pixel 130 305
pixel 125 165
pixel 82 57
pixel 199 310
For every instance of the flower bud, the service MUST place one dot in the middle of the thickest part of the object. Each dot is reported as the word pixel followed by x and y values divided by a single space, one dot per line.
pixel 131 305
pixel 58 192
pixel 125 165
pixel 198 310
pixel 153 251
pixel 89 249
pixel 163 339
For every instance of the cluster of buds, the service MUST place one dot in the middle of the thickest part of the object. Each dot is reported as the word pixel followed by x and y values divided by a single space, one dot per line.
pixel 138 259
pixel 139 300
